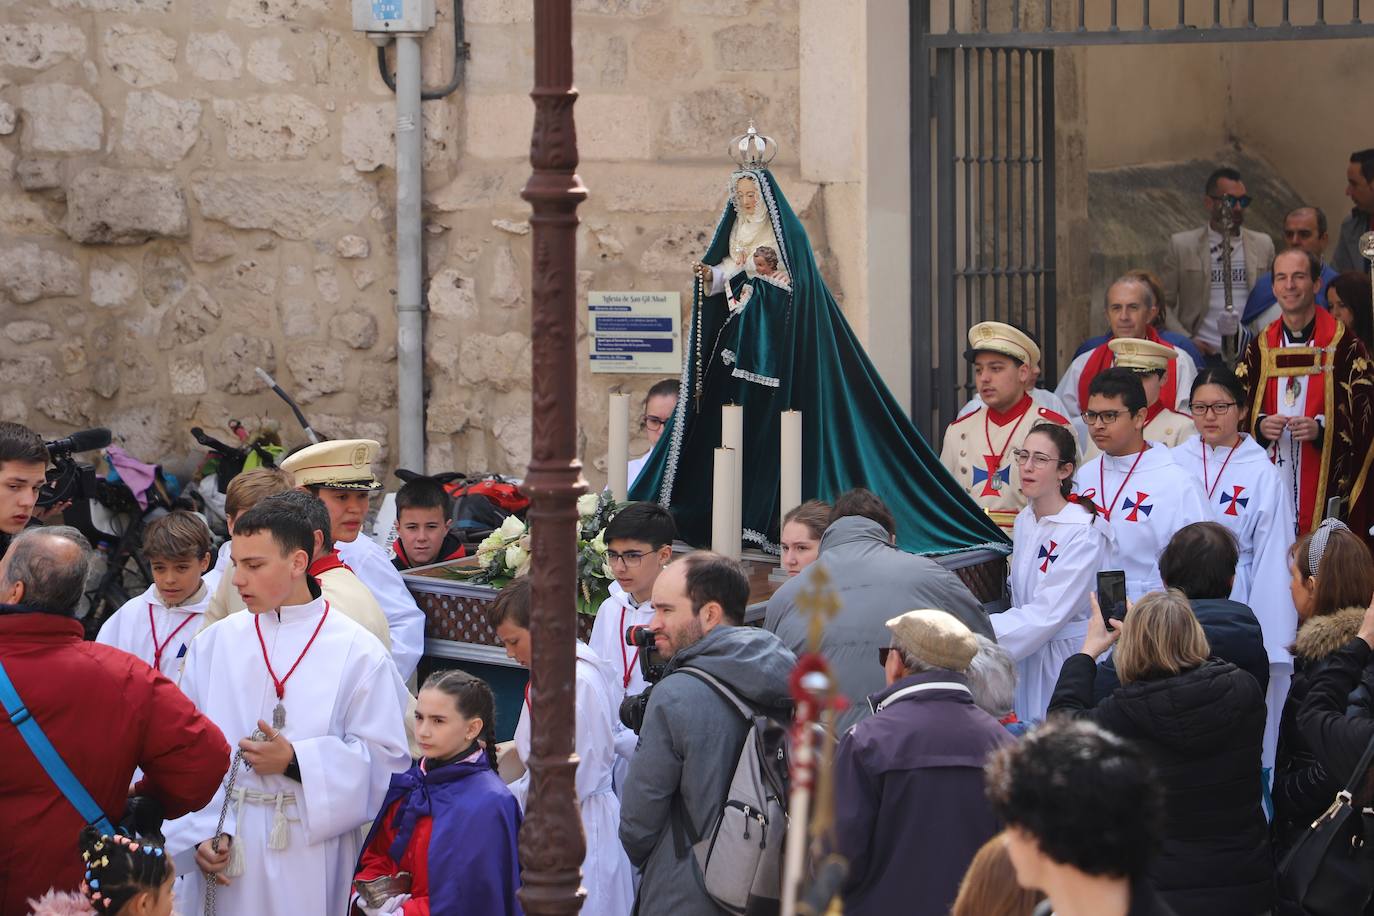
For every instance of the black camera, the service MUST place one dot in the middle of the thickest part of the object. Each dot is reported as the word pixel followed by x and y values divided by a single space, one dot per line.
pixel 652 666
pixel 69 479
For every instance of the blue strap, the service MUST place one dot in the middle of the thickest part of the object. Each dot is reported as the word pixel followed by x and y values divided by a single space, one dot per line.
pixel 47 755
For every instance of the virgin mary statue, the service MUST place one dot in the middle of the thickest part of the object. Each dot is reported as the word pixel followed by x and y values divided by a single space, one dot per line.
pixel 766 334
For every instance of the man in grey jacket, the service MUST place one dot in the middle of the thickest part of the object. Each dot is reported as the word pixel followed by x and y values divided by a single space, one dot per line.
pixel 691 737
pixel 874 582
pixel 1359 187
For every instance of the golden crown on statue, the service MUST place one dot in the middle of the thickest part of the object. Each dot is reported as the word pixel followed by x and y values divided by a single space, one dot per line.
pixel 751 149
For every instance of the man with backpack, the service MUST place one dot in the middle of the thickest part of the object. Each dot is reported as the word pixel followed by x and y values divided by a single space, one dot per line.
pixel 909 806
pixel 709 720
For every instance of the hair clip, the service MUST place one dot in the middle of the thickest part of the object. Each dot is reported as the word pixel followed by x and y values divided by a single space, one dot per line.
pixel 95 884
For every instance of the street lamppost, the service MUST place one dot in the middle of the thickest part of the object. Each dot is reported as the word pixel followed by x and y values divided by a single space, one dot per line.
pixel 552 844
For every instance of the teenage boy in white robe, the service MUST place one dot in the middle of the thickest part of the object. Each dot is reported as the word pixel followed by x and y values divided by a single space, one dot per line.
pixel 1135 485
pixel 606 872
pixel 313 701
pixel 158 625
pixel 340 474
pixel 639 543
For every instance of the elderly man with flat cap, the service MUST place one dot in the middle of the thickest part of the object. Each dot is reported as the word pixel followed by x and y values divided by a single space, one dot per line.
pixel 978 446
pixel 909 802
pixel 340 474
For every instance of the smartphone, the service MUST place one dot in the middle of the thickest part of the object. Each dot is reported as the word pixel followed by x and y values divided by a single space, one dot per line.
pixel 1111 594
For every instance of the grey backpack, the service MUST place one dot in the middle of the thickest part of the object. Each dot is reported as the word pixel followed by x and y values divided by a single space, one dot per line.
pixel 740 853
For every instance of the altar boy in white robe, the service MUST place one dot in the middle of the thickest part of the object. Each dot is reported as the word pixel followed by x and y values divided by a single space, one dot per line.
pixel 639 543
pixel 340 474
pixel 606 872
pixel 1135 484
pixel 314 703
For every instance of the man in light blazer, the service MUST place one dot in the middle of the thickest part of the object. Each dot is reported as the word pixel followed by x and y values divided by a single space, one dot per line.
pixel 1193 274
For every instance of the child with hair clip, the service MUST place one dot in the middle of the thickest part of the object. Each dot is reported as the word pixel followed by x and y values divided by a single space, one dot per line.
pixel 449 823
pixel 124 877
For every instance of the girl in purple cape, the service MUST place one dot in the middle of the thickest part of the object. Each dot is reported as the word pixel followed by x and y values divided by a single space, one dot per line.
pixel 453 803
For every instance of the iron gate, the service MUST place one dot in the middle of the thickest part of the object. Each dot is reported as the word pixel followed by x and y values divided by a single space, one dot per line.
pixel 982 157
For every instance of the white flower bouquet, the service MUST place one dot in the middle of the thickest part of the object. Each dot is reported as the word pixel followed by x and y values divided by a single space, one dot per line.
pixel 504 554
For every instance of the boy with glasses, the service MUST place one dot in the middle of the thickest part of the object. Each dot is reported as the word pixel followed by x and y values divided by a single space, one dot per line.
pixel 1150 363
pixel 659 405
pixel 639 543
pixel 1135 484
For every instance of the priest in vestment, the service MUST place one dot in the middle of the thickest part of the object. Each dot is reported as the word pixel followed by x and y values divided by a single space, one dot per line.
pixel 313 702
pixel 1310 385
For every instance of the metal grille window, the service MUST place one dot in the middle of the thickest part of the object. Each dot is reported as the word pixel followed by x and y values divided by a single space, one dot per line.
pixel 982 156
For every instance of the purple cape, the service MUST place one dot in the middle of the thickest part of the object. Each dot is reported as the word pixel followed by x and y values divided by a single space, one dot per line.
pixel 474 867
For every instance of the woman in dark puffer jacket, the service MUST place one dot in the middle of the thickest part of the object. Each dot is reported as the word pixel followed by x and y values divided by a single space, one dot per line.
pixel 1333 577
pixel 1201 720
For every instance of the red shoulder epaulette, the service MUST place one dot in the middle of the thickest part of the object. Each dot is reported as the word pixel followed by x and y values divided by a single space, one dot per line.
pixel 1046 414
pixel 958 420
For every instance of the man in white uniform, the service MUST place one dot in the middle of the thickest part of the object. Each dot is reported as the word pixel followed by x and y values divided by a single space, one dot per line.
pixel 1135 484
pixel 314 704
pixel 340 474
pixel 978 446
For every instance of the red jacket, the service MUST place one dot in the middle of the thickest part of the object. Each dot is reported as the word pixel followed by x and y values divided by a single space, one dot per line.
pixel 107 713
pixel 376 861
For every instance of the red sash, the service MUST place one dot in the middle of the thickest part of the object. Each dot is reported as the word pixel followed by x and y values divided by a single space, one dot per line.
pixel 1313 459
pixel 1103 358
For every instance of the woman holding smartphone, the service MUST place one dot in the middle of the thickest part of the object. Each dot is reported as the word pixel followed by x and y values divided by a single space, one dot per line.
pixel 1245 493
pixel 1058 545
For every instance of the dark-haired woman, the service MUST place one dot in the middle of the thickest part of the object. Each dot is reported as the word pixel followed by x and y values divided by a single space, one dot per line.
pixel 1245 493
pixel 1058 545
pixel 1349 299
pixel 449 821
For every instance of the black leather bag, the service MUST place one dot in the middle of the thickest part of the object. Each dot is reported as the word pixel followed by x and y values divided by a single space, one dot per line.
pixel 1330 869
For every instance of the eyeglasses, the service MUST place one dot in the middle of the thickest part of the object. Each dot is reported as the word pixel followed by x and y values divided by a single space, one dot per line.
pixel 1034 459
pixel 1243 201
pixel 650 421
pixel 1106 417
pixel 1211 410
pixel 631 558
pixel 883 653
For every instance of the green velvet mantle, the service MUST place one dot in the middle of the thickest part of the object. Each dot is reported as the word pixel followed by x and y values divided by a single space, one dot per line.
pixel 791 349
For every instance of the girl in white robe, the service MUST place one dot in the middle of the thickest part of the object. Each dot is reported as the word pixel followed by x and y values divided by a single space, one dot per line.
pixel 606 872
pixel 1245 492
pixel 1058 546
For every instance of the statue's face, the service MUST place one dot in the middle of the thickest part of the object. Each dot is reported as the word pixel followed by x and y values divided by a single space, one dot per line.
pixel 746 196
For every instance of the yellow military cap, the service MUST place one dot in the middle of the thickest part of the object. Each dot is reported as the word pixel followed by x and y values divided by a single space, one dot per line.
pixel 342 464
pixel 1141 355
pixel 996 337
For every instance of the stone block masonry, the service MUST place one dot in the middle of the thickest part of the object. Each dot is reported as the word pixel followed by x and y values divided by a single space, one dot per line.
pixel 191 190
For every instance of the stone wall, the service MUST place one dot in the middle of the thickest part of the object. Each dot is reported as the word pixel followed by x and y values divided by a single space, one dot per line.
pixel 191 190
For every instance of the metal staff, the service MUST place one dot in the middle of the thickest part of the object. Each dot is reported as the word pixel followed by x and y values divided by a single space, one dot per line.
pixel 1229 323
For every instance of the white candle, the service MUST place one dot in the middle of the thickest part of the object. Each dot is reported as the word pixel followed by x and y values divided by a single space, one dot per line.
pixel 722 492
pixel 789 475
pixel 732 437
pixel 618 447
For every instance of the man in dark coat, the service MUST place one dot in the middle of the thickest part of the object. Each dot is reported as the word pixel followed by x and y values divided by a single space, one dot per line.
pixel 692 736
pixel 872 580
pixel 910 812
pixel 105 711
pixel 1200 561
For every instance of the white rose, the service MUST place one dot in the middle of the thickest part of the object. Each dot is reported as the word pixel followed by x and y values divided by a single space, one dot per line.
pixel 598 543
pixel 512 528
pixel 587 503
pixel 516 557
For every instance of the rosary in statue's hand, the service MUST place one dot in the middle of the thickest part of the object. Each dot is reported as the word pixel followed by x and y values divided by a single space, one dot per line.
pixel 703 272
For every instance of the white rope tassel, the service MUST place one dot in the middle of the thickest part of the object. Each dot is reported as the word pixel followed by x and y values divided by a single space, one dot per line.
pixel 281 829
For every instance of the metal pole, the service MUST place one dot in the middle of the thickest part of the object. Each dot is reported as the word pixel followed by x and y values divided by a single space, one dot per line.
pixel 922 312
pixel 410 356
pixel 552 843
pixel 946 263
